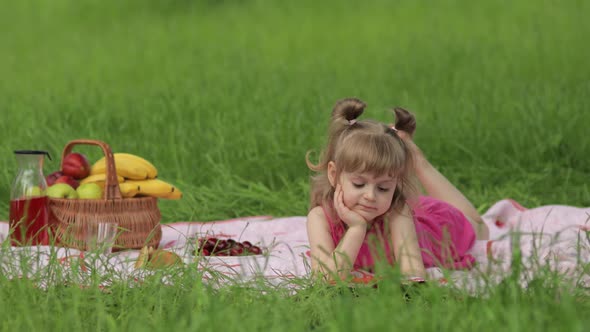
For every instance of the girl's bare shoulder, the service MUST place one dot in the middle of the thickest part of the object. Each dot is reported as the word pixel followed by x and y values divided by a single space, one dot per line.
pixel 316 213
pixel 317 223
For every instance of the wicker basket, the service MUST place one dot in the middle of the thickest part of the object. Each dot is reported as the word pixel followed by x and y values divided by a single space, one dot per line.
pixel 138 218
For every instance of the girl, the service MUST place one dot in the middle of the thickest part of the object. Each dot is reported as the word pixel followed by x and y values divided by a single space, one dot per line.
pixel 365 207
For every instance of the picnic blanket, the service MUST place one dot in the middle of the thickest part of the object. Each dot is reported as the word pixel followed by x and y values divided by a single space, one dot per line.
pixel 552 237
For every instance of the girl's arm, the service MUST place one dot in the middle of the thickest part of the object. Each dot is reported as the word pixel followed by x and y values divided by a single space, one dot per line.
pixel 405 244
pixel 438 186
pixel 326 259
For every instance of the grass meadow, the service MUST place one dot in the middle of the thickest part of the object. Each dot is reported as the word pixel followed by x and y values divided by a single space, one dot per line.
pixel 226 97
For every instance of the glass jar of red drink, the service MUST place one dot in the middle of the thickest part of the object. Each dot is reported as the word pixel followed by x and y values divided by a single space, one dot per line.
pixel 29 210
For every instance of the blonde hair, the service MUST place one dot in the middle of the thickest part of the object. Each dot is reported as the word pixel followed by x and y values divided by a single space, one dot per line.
pixel 364 146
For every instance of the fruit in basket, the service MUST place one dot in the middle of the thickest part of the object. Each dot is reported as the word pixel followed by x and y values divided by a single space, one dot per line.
pixel 157 188
pixel 175 194
pixel 152 171
pixel 212 246
pixel 128 189
pixel 89 191
pixel 123 169
pixel 68 180
pixel 129 163
pixel 76 165
pixel 128 166
pixel 99 179
pixel 139 177
pixel 50 179
pixel 61 190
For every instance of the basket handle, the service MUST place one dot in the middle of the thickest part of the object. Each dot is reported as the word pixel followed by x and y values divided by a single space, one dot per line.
pixel 111 186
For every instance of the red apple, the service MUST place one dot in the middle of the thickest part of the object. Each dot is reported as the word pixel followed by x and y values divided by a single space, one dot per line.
pixel 68 180
pixel 50 179
pixel 76 165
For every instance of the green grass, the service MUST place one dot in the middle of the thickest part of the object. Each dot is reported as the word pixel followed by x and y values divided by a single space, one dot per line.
pixel 226 97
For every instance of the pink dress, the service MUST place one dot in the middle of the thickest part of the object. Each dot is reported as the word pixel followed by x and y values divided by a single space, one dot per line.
pixel 444 235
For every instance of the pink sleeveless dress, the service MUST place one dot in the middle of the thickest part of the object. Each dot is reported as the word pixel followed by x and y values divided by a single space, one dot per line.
pixel 444 234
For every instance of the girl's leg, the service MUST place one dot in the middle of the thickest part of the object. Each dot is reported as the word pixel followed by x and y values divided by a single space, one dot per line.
pixel 438 186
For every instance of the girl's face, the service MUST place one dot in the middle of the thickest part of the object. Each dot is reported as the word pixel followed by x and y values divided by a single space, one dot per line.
pixel 366 194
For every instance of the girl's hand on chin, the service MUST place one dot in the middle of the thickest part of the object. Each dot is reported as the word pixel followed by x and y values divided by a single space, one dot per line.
pixel 349 217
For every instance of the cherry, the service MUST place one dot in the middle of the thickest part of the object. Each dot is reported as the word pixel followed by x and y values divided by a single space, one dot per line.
pixel 236 251
pixel 229 247
pixel 211 243
pixel 221 244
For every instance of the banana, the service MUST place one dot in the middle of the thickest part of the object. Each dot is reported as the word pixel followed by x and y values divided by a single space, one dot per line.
pixel 154 188
pixel 152 171
pixel 128 189
pixel 137 161
pixel 176 194
pixel 133 161
pixel 126 168
pixel 142 258
pixel 100 179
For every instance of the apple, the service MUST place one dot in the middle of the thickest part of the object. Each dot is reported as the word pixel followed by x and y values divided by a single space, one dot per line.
pixel 76 165
pixel 61 190
pixel 68 180
pixel 50 179
pixel 89 191
pixel 33 191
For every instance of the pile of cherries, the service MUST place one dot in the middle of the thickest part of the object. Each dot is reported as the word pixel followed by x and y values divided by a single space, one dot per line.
pixel 211 246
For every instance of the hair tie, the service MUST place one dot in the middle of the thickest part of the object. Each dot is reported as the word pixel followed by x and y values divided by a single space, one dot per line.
pixel 394 129
pixel 351 122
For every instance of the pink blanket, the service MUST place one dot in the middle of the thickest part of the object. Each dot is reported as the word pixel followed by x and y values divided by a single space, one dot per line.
pixel 555 237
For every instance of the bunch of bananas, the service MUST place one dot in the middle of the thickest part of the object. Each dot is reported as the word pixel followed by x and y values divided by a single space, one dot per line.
pixel 136 177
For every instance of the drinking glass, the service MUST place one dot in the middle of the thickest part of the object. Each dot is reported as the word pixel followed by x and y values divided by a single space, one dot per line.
pixel 100 237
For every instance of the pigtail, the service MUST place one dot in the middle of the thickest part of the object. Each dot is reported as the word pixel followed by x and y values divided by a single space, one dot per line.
pixel 344 115
pixel 408 188
pixel 347 109
pixel 404 120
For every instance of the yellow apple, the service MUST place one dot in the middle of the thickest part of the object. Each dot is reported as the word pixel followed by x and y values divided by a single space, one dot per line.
pixel 89 191
pixel 61 190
